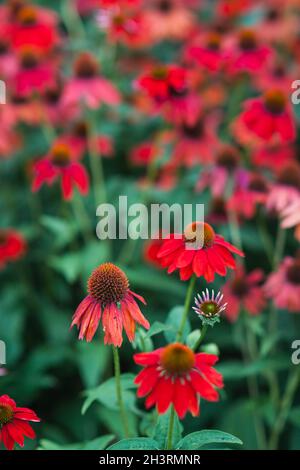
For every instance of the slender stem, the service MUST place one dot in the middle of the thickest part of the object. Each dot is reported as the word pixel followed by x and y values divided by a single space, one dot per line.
pixel 119 391
pixel 285 407
pixel 187 304
pixel 82 216
pixel 266 238
pixel 171 428
pixel 249 353
pixel 201 337
pixel 279 247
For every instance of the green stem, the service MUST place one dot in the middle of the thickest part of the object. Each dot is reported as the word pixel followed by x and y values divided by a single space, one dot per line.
pixel 187 304
pixel 201 337
pixel 250 354
pixel 279 247
pixel 97 171
pixel 285 407
pixel 119 391
pixel 171 428
pixel 82 216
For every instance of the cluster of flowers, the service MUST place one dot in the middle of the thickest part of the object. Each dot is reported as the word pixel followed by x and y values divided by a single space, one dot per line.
pixel 221 64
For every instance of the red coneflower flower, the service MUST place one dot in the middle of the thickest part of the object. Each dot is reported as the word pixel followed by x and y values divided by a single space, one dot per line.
pixel 175 374
pixel 270 116
pixel 109 296
pixel 246 53
pixel 14 423
pixel 34 27
pixel 12 246
pixel 61 163
pixel 283 286
pixel 88 86
pixel 207 51
pixel 244 291
pixel 163 82
pixel 199 250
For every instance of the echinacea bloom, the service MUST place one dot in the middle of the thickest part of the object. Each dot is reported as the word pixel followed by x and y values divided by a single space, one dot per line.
pixel 88 86
pixel 61 163
pixel 176 375
pixel 163 82
pixel 209 307
pixel 286 190
pixel 168 19
pixel 248 196
pixel 14 423
pixel 196 142
pixel 111 301
pixel 244 292
pixel 273 156
pixel 199 251
pixel 34 28
pixel 207 52
pixel 290 217
pixel 270 117
pixel 226 167
pixel 12 246
pixel 246 53
pixel 283 286
pixel 34 74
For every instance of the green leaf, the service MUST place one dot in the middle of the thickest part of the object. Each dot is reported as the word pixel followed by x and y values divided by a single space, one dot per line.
pixel 239 370
pixel 173 322
pixel 294 416
pixel 100 443
pixel 62 231
pixel 156 328
pixel 160 433
pixel 92 361
pixel 197 440
pixel 69 265
pixel 140 443
pixel 106 394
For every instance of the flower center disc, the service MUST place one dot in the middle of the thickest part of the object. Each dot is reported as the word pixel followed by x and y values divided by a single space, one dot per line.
pixel 240 287
pixel 108 284
pixel 293 273
pixel 200 233
pixel 60 155
pixel 177 359
pixel 214 42
pixel 247 40
pixel 210 309
pixel 3 237
pixel 165 6
pixel 290 176
pixel 275 101
pixel 27 15
pixel 228 158
pixel 6 414
pixel 29 57
pixel 86 66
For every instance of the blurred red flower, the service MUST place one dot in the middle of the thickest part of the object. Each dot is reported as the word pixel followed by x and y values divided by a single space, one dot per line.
pixel 270 116
pixel 12 246
pixel 14 423
pixel 61 162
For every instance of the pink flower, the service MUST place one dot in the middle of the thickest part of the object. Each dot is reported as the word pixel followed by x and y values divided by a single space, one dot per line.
pixel 88 87
pixel 286 190
pixel 283 286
